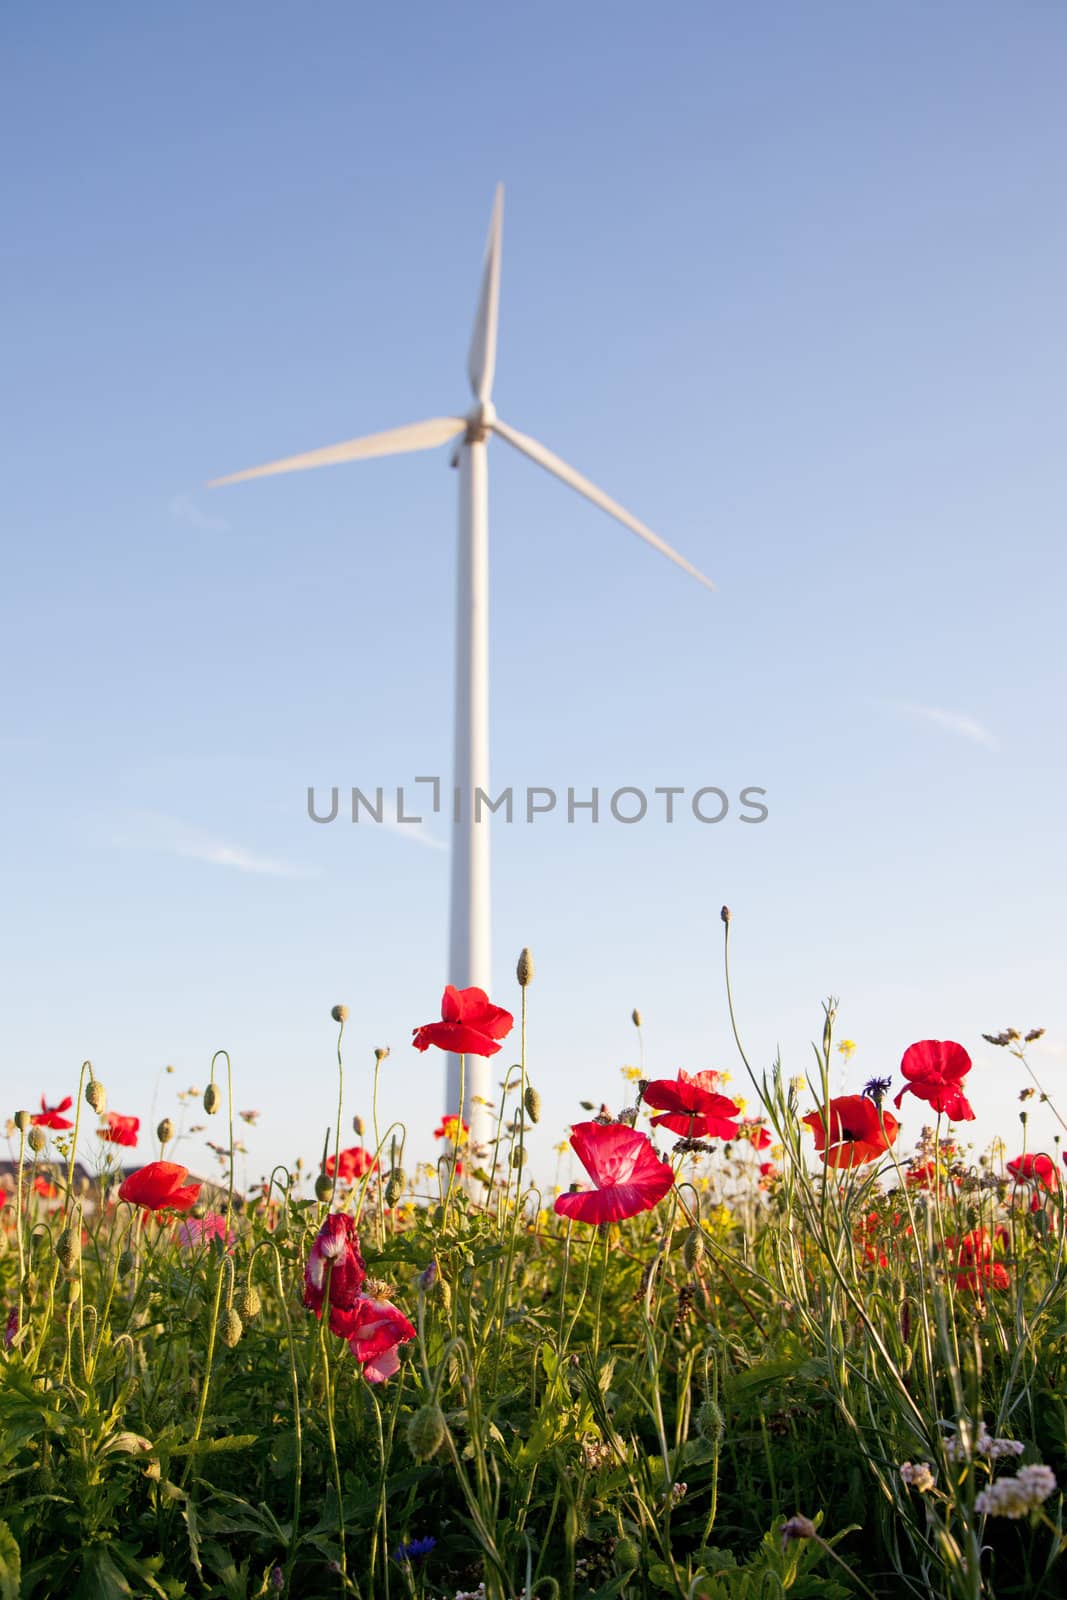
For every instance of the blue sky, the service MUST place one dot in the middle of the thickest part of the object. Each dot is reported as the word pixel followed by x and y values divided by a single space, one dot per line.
pixel 787 282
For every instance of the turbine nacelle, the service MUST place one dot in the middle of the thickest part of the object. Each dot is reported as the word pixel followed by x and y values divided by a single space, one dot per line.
pixel 480 420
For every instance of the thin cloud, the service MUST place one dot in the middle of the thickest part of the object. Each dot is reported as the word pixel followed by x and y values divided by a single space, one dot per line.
pixel 169 836
pixel 184 509
pixel 957 722
pixel 415 831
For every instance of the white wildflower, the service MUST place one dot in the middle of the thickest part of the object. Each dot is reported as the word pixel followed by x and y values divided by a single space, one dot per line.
pixel 1014 1497
pixel 918 1476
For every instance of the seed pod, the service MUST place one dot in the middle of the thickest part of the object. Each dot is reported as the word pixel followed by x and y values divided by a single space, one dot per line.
pixel 37 1139
pixel 323 1187
pixel 96 1096
pixel 231 1329
pixel 380 1054
pixel 126 1260
pixel 165 1131
pixel 249 1304
pixel 710 1422
pixel 693 1249
pixel 426 1432
pixel 395 1186
pixel 212 1099
pixel 525 969
pixel 22 1120
pixel 69 1248
pixel 532 1101
pixel 339 1013
pixel 626 1555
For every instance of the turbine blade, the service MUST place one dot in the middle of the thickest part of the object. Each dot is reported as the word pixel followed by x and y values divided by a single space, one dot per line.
pixel 560 469
pixel 481 359
pixel 393 442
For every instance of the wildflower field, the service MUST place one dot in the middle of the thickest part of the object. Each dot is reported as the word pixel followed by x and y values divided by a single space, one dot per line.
pixel 758 1348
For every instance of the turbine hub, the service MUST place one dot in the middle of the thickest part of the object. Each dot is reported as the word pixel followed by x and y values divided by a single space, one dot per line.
pixel 480 419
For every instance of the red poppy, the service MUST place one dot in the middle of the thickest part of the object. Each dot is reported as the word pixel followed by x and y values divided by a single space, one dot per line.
pixel 453 1128
pixel 122 1130
pixel 935 1070
pixel 924 1174
pixel 629 1175
pixel 49 1116
pixel 354 1163
pixel 45 1188
pixel 856 1132
pixel 974 1253
pixel 160 1186
pixel 373 1329
pixel 692 1106
pixel 334 1254
pixel 470 1025
pixel 1034 1169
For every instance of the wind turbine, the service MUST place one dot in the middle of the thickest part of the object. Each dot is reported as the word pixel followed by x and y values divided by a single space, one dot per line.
pixel 469 956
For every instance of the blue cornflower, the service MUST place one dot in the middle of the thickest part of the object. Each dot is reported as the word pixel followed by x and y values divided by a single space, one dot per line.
pixel 414 1550
pixel 876 1089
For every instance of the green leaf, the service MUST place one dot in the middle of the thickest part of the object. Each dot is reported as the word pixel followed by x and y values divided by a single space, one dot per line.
pixel 10 1565
pixel 210 1447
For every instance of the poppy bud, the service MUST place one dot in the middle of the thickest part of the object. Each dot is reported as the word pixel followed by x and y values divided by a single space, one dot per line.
pixel 37 1139
pixel 96 1096
pixel 380 1054
pixel 165 1131
pixel 249 1305
pixel 725 914
pixel 626 1555
pixel 516 1159
pixel 231 1330
pixel 693 1249
pixel 636 1017
pixel 126 1260
pixel 68 1248
pixel 75 1291
pixel 395 1185
pixel 710 1422
pixel 323 1187
pixel 358 1127
pixel 428 1277
pixel 212 1099
pixel 532 1101
pixel 525 969
pixel 426 1432
pixel 587 1105
pixel 22 1120
pixel 797 1527
pixel 339 1013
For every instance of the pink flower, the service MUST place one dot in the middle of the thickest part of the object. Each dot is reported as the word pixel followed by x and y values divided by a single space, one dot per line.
pixel 629 1175
pixel 334 1257
pixel 373 1329
pixel 201 1230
